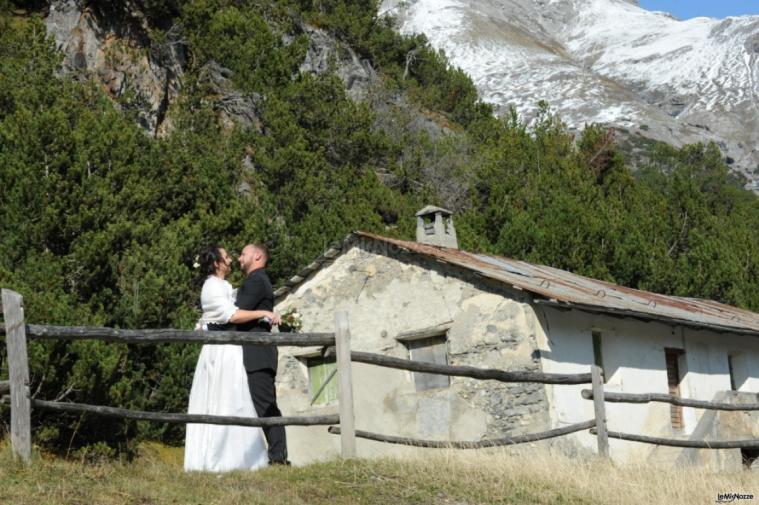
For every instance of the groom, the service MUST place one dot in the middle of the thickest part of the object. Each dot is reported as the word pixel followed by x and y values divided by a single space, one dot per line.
pixel 256 293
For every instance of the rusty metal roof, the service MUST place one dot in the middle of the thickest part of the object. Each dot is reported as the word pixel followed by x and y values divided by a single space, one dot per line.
pixel 560 288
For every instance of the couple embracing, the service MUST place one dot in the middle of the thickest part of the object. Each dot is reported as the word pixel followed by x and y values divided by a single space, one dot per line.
pixel 234 380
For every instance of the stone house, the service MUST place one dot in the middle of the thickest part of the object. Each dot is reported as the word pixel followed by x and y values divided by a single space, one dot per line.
pixel 427 300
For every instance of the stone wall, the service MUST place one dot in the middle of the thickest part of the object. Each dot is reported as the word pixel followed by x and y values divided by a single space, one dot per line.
pixel 388 292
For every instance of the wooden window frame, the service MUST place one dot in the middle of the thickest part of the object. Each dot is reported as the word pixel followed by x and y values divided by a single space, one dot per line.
pixel 672 361
pixel 416 339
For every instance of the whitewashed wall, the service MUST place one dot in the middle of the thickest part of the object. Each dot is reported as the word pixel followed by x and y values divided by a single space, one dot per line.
pixel 634 362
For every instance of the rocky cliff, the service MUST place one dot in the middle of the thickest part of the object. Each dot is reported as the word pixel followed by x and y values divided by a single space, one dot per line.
pixel 145 73
pixel 115 46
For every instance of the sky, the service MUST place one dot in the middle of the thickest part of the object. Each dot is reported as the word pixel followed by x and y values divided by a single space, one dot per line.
pixel 686 9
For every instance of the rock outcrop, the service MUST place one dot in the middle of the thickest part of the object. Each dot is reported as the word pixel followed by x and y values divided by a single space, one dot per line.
pixel 232 106
pixel 114 46
pixel 326 54
pixel 146 75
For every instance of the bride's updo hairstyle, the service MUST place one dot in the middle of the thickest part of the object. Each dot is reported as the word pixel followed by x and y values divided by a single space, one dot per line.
pixel 207 258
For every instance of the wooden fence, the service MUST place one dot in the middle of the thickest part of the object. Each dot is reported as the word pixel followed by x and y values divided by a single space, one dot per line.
pixel 335 344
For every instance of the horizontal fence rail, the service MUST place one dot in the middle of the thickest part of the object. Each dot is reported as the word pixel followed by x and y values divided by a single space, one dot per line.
pixel 5 387
pixel 480 444
pixel 176 418
pixel 464 371
pixel 674 400
pixel 164 336
pixel 688 444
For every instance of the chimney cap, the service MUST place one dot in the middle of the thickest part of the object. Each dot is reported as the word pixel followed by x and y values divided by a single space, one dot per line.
pixel 431 209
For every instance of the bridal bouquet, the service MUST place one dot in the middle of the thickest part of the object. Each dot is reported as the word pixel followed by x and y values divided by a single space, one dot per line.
pixel 292 321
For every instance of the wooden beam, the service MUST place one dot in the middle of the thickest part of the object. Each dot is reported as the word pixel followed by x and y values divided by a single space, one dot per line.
pixel 600 410
pixel 345 385
pixel 480 444
pixel 674 400
pixel 162 336
pixel 431 331
pixel 18 371
pixel 465 371
pixel 166 417
pixel 690 444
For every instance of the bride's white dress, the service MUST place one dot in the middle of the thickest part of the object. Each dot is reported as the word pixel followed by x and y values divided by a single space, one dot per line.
pixel 220 387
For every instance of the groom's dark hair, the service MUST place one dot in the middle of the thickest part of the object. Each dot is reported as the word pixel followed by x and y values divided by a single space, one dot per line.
pixel 262 247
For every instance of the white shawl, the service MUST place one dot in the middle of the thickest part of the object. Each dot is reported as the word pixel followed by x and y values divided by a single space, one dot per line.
pixel 217 298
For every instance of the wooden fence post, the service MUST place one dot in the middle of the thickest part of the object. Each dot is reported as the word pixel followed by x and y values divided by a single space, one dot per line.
pixel 345 391
pixel 599 407
pixel 18 367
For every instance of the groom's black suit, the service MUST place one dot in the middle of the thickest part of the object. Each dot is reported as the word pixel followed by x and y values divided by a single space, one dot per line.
pixel 260 362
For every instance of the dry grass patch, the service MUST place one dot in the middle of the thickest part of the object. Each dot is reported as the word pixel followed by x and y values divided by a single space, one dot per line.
pixel 536 472
pixel 439 477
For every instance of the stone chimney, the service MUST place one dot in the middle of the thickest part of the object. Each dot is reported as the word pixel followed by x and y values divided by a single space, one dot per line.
pixel 434 226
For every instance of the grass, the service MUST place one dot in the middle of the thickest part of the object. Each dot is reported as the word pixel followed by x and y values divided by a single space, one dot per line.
pixel 446 478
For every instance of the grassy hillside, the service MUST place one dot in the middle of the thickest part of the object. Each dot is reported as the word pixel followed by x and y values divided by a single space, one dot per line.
pixel 441 478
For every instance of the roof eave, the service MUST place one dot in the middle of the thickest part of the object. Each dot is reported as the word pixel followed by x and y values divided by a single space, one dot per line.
pixel 644 316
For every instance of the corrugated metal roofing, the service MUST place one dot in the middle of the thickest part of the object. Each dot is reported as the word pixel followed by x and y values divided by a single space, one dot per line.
pixel 564 289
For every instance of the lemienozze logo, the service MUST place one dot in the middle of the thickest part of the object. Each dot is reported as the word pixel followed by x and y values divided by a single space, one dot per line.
pixel 731 497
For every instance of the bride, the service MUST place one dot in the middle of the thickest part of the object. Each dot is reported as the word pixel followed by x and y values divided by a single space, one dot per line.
pixel 220 384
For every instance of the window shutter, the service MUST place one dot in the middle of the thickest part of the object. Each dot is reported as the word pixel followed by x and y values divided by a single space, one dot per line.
pixel 319 371
pixel 430 350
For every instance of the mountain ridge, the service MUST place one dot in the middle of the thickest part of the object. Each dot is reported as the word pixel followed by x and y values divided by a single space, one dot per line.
pixel 608 62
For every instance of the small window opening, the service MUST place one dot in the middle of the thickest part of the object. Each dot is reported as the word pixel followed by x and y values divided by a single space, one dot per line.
pixel 731 367
pixel 674 358
pixel 322 380
pixel 429 350
pixel 429 225
pixel 749 456
pixel 598 358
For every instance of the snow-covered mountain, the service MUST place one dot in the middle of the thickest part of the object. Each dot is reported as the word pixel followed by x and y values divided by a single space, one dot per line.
pixel 607 61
